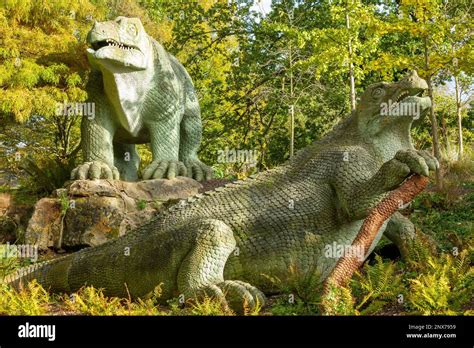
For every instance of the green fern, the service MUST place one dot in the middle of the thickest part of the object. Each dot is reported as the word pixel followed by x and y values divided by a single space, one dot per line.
pixel 92 301
pixel 420 250
pixel 7 264
pixel 377 286
pixel 208 306
pixel 301 291
pixel 445 286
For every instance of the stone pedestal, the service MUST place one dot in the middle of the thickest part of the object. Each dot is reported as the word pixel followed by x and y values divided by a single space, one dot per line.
pixel 91 212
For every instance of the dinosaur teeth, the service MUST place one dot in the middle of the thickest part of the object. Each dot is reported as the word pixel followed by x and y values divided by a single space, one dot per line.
pixel 402 95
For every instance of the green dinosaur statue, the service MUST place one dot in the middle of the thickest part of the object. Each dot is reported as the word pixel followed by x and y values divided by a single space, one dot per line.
pixel 228 242
pixel 142 94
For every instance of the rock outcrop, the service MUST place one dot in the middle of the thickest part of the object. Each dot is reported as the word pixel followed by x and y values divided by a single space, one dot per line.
pixel 91 212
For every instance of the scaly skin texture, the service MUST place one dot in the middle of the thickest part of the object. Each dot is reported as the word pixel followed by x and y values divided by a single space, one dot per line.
pixel 142 94
pixel 228 242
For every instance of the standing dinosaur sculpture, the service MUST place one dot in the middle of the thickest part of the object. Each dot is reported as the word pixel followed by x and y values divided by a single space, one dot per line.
pixel 142 94
pixel 226 242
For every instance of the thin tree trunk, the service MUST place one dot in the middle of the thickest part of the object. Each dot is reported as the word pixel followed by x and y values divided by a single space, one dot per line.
pixel 434 123
pixel 292 108
pixel 351 69
pixel 459 118
pixel 444 133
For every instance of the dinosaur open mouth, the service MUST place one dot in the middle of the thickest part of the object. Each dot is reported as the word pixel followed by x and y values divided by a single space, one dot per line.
pixel 414 92
pixel 111 43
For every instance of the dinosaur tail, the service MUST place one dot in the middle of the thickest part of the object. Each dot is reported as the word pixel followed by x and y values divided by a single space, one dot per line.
pixel 52 275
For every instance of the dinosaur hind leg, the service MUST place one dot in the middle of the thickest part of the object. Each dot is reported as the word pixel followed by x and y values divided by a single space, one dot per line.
pixel 202 271
pixel 401 231
pixel 126 160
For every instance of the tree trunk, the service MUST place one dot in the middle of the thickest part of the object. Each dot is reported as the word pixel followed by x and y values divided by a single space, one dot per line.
pixel 434 123
pixel 348 264
pixel 292 107
pixel 459 118
pixel 444 133
pixel 434 134
pixel 351 69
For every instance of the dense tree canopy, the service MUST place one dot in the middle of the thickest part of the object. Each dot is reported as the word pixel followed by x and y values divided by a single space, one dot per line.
pixel 257 75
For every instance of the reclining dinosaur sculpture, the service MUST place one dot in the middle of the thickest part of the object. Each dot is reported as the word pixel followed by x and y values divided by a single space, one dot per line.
pixel 226 242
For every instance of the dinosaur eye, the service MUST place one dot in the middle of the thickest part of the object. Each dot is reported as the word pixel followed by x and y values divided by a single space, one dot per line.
pixel 132 29
pixel 378 92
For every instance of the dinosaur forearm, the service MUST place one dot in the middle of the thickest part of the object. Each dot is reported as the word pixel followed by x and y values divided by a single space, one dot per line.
pixel 96 142
pixel 371 192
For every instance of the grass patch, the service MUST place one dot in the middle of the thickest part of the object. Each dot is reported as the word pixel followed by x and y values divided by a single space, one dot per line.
pixel 31 300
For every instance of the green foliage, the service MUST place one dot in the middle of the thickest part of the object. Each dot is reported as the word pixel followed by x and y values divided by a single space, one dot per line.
pixel 248 69
pixel 377 286
pixel 64 201
pixel 91 301
pixel 31 300
pixel 7 264
pixel 444 287
pixel 208 307
pixel 338 301
pixel 302 291
pixel 141 204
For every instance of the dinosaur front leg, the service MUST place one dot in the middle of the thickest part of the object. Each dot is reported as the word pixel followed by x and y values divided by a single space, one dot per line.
pixel 164 141
pixel 190 138
pixel 97 136
pixel 202 271
pixel 389 177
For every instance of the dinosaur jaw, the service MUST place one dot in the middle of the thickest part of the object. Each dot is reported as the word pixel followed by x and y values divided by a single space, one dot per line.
pixel 408 103
pixel 118 56
pixel 407 99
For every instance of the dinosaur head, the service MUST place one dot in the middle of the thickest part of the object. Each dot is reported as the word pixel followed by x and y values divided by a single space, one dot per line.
pixel 121 43
pixel 390 105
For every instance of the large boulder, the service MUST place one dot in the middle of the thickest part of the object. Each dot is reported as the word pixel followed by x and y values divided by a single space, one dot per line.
pixel 91 212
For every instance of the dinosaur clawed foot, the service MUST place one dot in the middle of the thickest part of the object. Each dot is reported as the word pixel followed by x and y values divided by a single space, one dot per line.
pixel 95 170
pixel 198 170
pixel 168 169
pixel 236 295
pixel 164 169
pixel 418 161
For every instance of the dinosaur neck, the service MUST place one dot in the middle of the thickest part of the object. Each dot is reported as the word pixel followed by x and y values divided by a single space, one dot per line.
pixel 391 139
pixel 126 91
